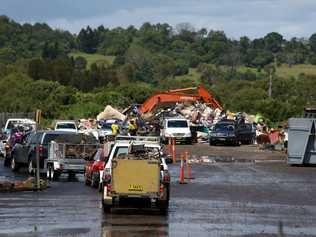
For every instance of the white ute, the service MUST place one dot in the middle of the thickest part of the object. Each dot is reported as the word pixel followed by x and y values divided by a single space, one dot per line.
pixel 66 125
pixel 177 128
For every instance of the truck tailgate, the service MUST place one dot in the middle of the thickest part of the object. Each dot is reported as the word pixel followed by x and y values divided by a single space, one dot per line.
pixel 135 177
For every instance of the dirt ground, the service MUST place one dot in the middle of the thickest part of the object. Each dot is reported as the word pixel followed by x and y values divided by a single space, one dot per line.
pixel 266 198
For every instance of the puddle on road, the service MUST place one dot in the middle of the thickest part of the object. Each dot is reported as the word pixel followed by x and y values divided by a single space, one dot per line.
pixel 124 223
pixel 217 159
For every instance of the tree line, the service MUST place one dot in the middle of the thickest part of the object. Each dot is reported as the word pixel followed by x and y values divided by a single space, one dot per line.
pixel 150 57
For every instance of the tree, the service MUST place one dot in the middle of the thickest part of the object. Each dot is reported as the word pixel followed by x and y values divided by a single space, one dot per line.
pixel 273 42
pixel 312 42
pixel 88 40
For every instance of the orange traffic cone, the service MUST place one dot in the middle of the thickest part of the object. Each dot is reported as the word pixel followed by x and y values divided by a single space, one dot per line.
pixel 181 174
pixel 174 150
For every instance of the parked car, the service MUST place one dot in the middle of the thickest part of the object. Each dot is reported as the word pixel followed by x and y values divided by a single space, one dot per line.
pixel 94 168
pixel 66 125
pixel 223 132
pixel 246 133
pixel 13 122
pixel 25 154
pixel 177 128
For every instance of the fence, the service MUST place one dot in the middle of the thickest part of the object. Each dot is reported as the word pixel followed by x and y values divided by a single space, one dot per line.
pixel 5 116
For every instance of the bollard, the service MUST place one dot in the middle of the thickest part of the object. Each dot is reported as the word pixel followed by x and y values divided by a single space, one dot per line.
pixel 174 150
pixel 186 156
pixel 181 174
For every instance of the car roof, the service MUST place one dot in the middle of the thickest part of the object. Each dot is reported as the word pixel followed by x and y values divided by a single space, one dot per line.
pixel 55 132
pixel 177 118
pixel 65 121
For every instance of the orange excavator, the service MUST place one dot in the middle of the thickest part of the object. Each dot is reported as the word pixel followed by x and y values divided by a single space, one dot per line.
pixel 180 95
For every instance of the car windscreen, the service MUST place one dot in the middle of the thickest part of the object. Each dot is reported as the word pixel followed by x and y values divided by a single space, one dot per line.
pixel 177 124
pixel 71 138
pixel 224 127
pixel 66 126
pixel 121 150
pixel 106 126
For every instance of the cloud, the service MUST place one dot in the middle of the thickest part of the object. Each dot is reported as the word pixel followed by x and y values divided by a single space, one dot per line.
pixel 253 18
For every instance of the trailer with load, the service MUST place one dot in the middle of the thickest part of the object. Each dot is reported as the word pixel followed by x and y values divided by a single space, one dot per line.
pixel 69 158
pixel 136 175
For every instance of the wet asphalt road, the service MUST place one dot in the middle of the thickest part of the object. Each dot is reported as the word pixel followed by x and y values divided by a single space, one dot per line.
pixel 224 199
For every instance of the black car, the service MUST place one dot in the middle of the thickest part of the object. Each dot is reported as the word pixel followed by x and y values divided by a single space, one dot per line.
pixel 246 133
pixel 25 154
pixel 224 132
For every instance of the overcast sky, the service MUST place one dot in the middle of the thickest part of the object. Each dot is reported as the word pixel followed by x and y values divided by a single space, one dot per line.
pixel 254 18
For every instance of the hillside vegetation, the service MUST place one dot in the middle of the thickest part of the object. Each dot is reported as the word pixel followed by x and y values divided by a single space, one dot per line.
pixel 98 59
pixel 73 76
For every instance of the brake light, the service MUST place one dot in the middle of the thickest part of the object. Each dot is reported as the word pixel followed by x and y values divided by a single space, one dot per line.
pixel 107 176
pixel 41 149
pixel 161 189
pixel 166 177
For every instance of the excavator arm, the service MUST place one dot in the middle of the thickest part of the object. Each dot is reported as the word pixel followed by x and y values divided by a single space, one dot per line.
pixel 180 95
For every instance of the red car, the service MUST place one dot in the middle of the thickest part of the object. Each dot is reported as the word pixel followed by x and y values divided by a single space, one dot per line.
pixel 94 169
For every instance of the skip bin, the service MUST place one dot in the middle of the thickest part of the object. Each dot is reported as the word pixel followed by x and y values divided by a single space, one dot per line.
pixel 302 142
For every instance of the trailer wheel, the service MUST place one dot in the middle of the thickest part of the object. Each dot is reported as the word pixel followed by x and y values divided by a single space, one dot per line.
pixel 14 165
pixel 30 167
pixel 50 172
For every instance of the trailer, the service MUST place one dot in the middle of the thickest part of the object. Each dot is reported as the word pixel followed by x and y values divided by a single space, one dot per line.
pixel 68 158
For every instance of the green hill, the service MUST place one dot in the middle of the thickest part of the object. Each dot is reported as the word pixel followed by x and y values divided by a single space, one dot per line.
pixel 94 58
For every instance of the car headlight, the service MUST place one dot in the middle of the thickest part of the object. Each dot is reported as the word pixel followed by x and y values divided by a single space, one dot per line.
pixel 168 135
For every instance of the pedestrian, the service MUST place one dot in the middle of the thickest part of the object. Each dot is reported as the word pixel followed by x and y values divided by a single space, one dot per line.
pixel 115 128
pixel 132 128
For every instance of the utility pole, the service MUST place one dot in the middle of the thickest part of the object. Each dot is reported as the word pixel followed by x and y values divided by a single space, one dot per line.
pixel 271 71
pixel 270 83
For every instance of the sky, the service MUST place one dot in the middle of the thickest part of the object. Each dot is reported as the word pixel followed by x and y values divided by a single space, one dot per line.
pixel 253 18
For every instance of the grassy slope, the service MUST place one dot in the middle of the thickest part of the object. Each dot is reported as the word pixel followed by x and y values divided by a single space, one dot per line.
pixel 92 58
pixel 283 71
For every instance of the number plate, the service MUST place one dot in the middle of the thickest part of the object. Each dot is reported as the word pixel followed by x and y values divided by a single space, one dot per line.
pixel 135 187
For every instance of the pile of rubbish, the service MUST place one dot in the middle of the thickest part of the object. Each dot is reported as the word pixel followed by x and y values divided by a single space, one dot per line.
pixel 26 185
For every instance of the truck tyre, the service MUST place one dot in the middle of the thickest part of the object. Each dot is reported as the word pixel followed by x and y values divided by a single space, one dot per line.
pixel 163 206
pixel 71 175
pixel 56 175
pixel 14 165
pixel 7 161
pixel 94 182
pixel 106 207
pixel 86 180
pixel 100 187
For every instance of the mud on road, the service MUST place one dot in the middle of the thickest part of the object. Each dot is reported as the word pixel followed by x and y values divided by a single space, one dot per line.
pixel 224 199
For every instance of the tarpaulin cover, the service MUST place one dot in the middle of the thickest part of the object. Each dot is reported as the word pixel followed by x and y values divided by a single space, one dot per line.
pixel 110 113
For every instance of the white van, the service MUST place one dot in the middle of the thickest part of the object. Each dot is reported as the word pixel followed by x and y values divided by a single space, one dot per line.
pixel 178 128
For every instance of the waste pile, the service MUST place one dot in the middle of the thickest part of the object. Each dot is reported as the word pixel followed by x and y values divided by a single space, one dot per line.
pixel 26 185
